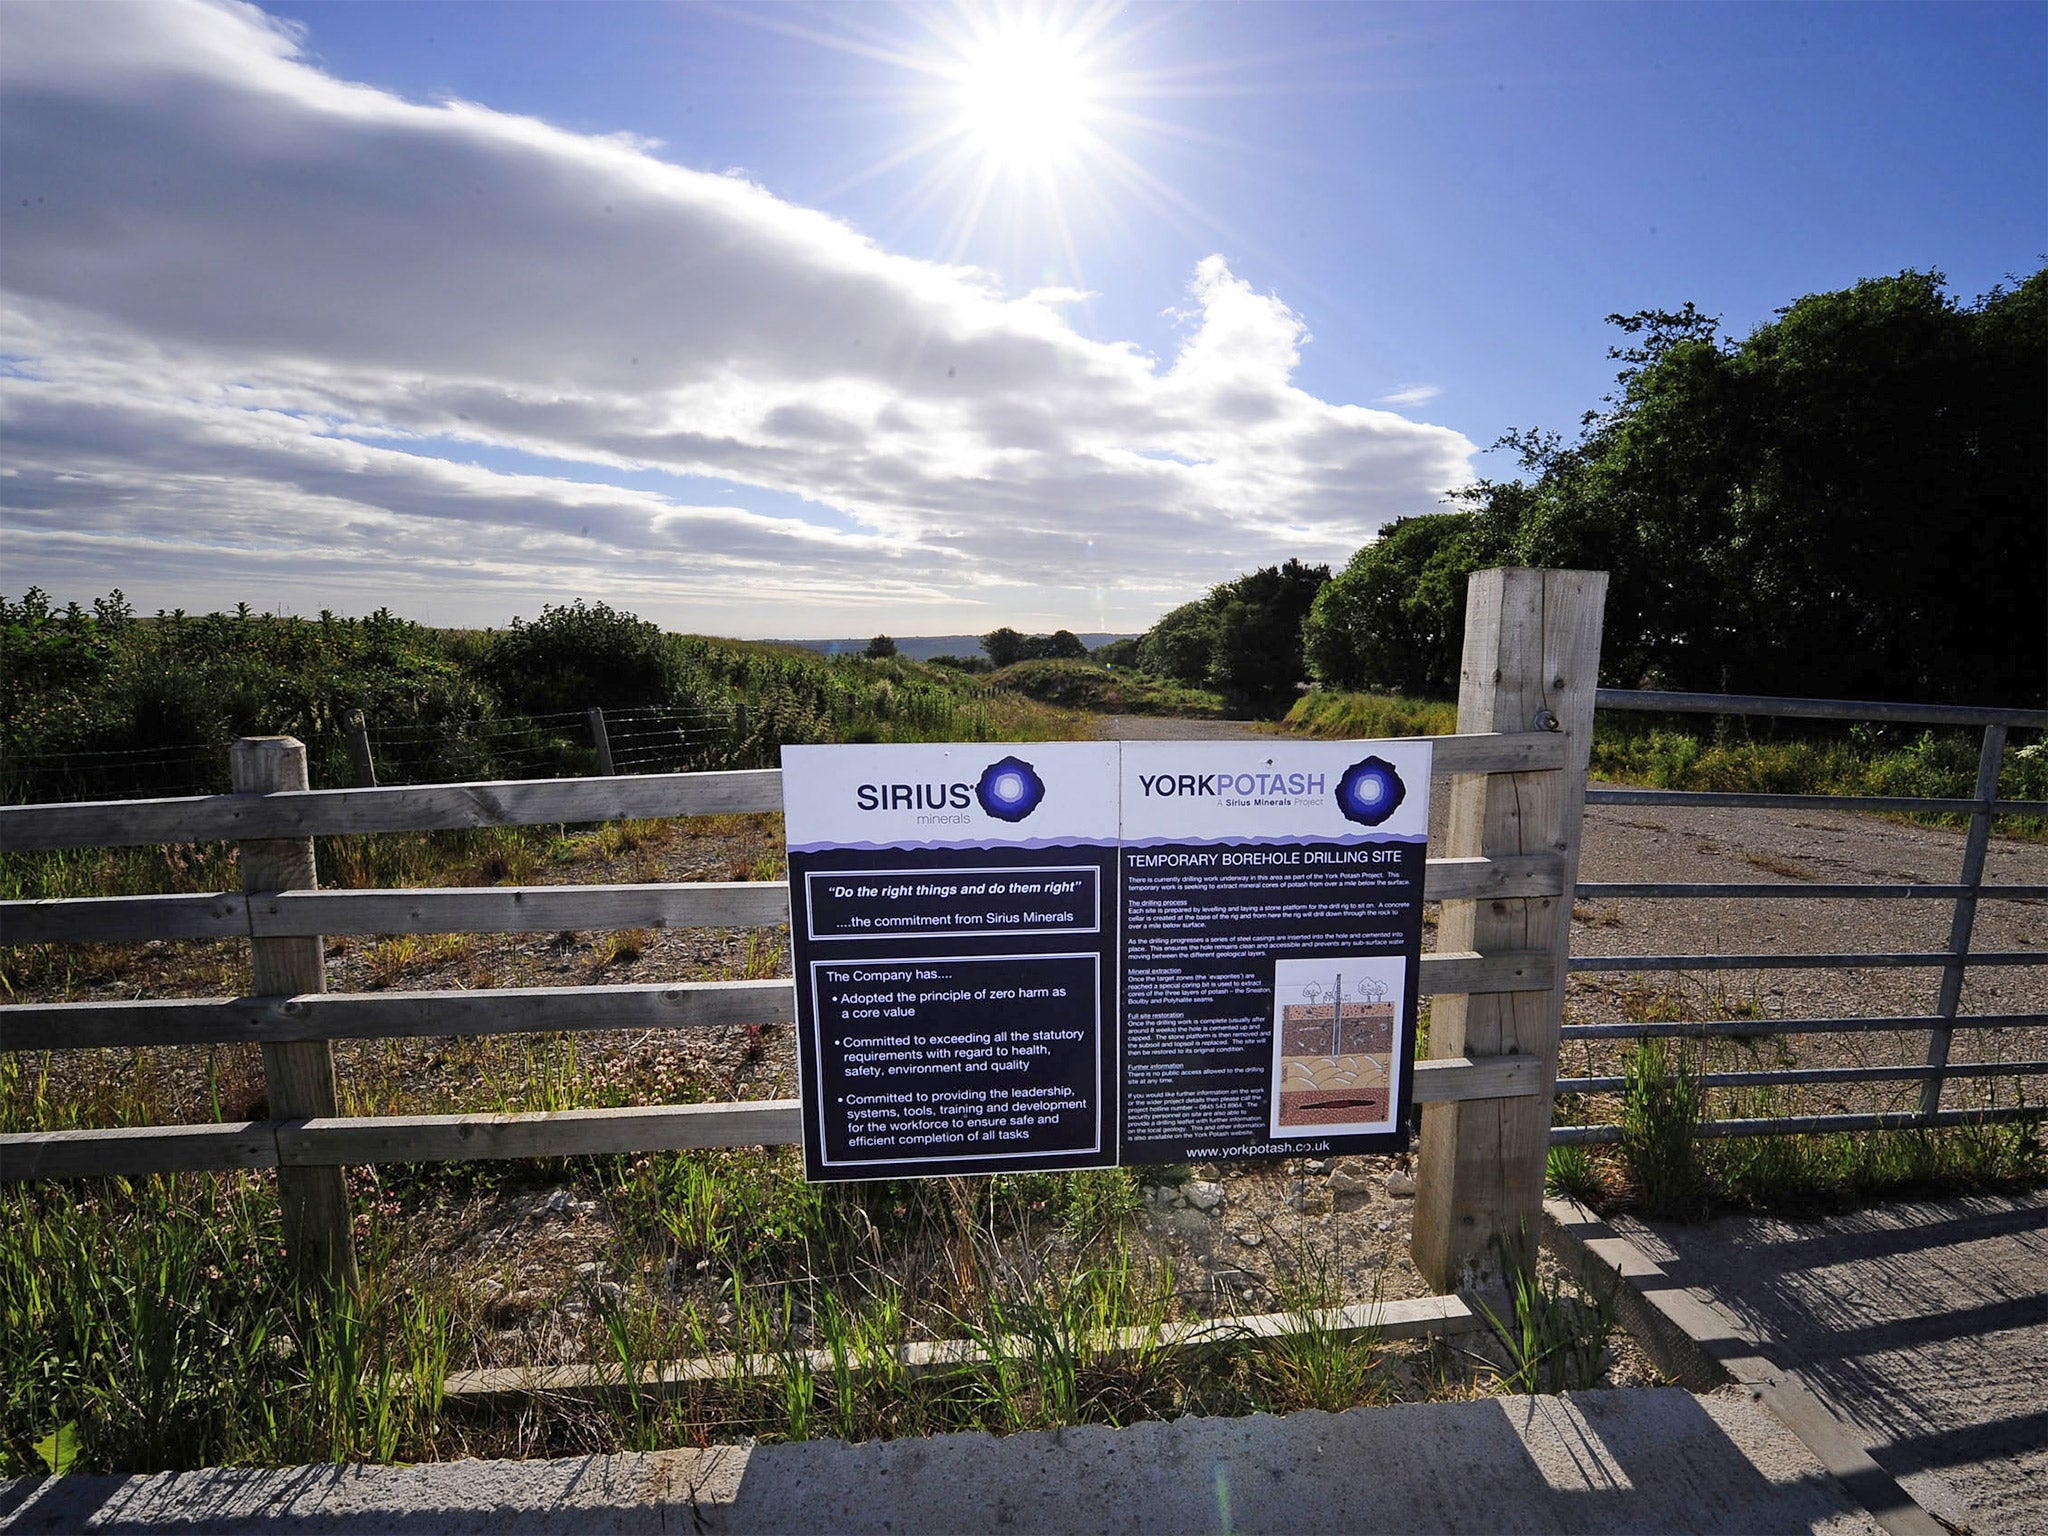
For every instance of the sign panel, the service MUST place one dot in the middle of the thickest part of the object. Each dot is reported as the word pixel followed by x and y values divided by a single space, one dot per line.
pixel 1272 906
pixel 953 930
pixel 1068 955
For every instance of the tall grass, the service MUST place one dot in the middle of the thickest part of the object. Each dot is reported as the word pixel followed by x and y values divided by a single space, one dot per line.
pixel 1733 756
pixel 155 1323
pixel 1662 1165
pixel 1660 1115
pixel 1340 715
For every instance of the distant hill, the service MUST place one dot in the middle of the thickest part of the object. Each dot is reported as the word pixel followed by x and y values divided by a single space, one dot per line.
pixel 924 647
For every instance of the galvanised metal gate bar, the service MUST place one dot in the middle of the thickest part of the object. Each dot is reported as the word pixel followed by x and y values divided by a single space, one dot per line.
pixel 1953 961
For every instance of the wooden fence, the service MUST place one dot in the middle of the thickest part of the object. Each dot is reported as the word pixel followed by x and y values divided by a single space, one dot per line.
pixel 1505 872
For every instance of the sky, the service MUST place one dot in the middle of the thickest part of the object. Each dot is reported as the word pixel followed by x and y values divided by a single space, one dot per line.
pixel 783 320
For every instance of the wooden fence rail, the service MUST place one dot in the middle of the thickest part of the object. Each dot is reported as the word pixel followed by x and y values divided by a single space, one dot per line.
pixel 523 1010
pixel 546 908
pixel 330 1141
pixel 309 1145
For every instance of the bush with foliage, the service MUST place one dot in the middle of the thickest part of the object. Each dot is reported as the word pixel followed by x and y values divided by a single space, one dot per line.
pixel 1006 647
pixel 579 656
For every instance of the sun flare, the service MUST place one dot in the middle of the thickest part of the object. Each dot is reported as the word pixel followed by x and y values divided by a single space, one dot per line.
pixel 1024 96
pixel 1025 119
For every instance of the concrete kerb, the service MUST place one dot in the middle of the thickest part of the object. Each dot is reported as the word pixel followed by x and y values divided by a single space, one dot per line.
pixel 1611 1461
pixel 1699 1344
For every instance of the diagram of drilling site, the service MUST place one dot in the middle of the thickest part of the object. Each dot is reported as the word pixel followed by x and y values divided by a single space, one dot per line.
pixel 1334 1030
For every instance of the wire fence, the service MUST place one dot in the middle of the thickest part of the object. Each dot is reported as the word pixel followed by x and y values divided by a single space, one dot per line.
pixel 358 751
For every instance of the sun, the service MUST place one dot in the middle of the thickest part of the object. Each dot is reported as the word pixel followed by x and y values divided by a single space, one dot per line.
pixel 1023 122
pixel 1024 96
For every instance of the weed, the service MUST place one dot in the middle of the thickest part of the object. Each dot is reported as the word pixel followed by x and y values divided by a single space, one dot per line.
pixel 1316 1363
pixel 1660 1111
pixel 620 948
pixel 1555 1342
pixel 1099 1202
pixel 1572 1172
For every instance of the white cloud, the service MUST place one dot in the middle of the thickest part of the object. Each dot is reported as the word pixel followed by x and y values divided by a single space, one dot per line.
pixel 249 306
pixel 1411 394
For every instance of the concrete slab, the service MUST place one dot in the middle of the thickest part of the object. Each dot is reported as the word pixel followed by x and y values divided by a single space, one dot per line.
pixel 1922 1323
pixel 1649 1460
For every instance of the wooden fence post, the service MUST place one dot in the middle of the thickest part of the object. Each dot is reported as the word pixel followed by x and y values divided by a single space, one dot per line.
pixel 602 741
pixel 359 749
pixel 1532 662
pixel 298 1074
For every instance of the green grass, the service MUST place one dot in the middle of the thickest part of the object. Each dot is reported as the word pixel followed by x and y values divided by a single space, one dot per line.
pixel 1572 1172
pixel 1866 761
pixel 1088 685
pixel 1555 1341
pixel 154 1323
pixel 1661 1108
pixel 1345 715
pixel 1732 756
pixel 1663 1167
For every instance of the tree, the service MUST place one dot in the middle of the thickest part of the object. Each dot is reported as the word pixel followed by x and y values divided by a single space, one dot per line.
pixel 1394 618
pixel 1243 638
pixel 1179 645
pixel 881 648
pixel 1064 645
pixel 1004 647
pixel 1852 501
pixel 1256 656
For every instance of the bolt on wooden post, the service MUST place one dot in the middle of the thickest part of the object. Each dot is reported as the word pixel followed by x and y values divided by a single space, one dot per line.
pixel 1532 644
pixel 298 1074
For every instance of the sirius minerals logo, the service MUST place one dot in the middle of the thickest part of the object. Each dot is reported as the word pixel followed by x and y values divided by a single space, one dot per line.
pixel 1370 791
pixel 1010 789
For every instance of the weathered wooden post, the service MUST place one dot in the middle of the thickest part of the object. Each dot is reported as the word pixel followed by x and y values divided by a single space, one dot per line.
pixel 1532 662
pixel 299 1074
pixel 603 742
pixel 359 749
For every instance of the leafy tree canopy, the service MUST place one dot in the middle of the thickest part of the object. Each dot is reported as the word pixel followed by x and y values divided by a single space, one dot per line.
pixel 1851 501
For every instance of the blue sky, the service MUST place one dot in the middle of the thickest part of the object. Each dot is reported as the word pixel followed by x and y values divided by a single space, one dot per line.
pixel 463 308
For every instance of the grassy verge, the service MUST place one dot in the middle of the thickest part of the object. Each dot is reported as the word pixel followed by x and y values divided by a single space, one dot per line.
pixel 1091 686
pixel 1724 757
pixel 1662 1166
pixel 1339 715
pixel 153 1324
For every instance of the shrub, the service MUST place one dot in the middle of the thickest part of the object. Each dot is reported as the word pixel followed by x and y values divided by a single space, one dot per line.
pixel 584 655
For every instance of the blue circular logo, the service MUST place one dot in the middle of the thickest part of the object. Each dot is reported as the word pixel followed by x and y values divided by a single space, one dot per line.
pixel 1370 791
pixel 1010 789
